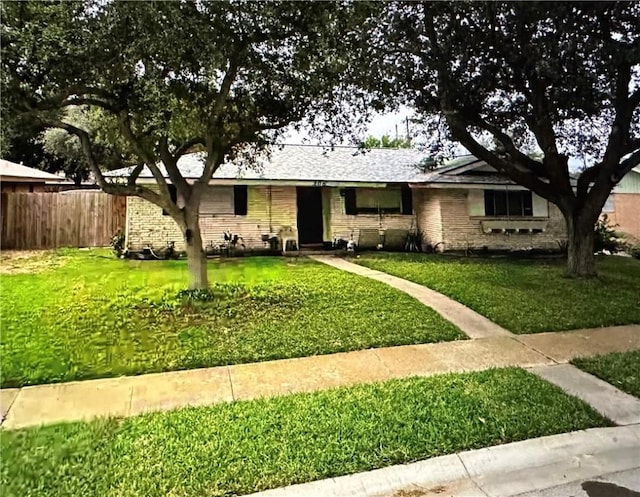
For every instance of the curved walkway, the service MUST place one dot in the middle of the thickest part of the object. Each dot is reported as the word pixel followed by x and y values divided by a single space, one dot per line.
pixel 470 322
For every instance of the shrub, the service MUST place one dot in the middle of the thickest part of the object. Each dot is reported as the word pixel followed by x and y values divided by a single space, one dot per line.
pixel 118 243
pixel 606 237
pixel 635 251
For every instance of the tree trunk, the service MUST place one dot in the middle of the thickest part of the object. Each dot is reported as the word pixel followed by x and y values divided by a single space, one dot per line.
pixel 196 258
pixel 580 260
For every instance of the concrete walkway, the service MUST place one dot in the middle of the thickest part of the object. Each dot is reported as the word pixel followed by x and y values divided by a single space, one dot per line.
pixel 618 406
pixel 470 322
pixel 131 395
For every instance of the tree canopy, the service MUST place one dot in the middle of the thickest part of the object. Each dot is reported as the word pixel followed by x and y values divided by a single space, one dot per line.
pixel 385 141
pixel 164 77
pixel 508 78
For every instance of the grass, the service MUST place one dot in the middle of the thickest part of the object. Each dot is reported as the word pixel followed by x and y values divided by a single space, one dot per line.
pixel 89 315
pixel 526 296
pixel 621 369
pixel 244 447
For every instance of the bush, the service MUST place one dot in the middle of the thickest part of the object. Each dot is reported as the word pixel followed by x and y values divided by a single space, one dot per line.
pixel 635 251
pixel 117 243
pixel 606 237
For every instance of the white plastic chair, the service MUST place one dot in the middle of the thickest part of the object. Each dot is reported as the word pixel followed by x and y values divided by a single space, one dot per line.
pixel 287 234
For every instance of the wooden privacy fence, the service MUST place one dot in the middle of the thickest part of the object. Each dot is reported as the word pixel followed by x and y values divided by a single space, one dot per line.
pixel 51 220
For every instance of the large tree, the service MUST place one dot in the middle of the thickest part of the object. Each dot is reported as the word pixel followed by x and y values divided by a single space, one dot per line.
pixel 562 78
pixel 165 77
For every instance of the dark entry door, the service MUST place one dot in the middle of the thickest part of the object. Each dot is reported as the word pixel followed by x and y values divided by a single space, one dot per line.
pixel 309 215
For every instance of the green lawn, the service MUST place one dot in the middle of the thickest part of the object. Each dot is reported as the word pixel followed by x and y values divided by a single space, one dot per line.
pixel 621 369
pixel 85 314
pixel 526 296
pixel 244 447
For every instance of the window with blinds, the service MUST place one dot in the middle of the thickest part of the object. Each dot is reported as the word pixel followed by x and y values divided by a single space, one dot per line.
pixel 378 201
pixel 224 200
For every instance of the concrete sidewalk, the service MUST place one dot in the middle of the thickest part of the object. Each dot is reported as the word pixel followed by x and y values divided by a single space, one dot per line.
pixel 470 322
pixel 618 406
pixel 128 396
pixel 500 471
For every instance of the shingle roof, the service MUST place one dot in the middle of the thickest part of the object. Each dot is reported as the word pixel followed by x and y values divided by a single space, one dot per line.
pixel 311 163
pixel 13 170
pixel 342 164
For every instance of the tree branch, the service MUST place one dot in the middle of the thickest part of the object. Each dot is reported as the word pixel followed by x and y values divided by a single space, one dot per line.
pixel 634 99
pixel 588 176
pixel 184 147
pixel 227 81
pixel 528 178
pixel 149 159
pixel 109 187
pixel 171 165
pixel 87 101
pixel 521 158
pixel 212 163
pixel 619 135
pixel 133 176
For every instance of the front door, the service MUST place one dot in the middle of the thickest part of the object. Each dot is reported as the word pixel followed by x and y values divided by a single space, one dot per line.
pixel 309 215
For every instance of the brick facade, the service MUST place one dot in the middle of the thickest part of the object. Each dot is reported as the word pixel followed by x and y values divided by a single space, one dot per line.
pixel 626 213
pixel 449 222
pixel 447 217
pixel 146 225
pixel 269 208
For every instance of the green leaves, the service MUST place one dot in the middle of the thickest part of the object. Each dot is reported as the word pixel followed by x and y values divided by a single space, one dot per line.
pixel 166 64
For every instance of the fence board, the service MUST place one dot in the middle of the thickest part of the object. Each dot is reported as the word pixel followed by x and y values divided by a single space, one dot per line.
pixel 51 220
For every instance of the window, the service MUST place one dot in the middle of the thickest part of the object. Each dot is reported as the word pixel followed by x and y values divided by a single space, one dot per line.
pixel 224 200
pixel 508 203
pixel 407 201
pixel 393 200
pixel 217 200
pixel 376 200
pixel 240 200
pixel 373 200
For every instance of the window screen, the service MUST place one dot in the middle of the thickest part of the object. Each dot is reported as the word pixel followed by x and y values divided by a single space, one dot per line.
pixel 508 203
pixel 217 200
pixel 374 200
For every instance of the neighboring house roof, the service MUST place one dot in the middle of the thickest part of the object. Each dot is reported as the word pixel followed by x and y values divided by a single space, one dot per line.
pixel 10 171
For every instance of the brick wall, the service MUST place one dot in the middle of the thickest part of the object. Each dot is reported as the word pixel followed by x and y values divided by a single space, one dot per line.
pixel 444 216
pixel 268 209
pixel 344 224
pixel 147 225
pixel 429 216
pixel 626 213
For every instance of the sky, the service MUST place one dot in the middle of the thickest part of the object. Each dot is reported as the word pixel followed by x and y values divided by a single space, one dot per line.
pixel 382 124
